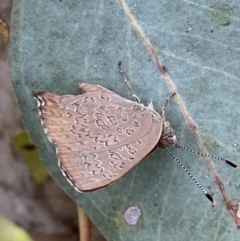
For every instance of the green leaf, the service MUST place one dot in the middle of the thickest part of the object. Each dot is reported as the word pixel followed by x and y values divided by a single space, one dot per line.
pixel 10 232
pixel 56 44
pixel 30 153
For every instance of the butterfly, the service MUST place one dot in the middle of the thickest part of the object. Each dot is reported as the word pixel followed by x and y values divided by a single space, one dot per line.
pixel 99 135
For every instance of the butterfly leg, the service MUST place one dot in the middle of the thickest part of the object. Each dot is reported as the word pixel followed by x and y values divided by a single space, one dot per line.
pixel 121 71
pixel 165 104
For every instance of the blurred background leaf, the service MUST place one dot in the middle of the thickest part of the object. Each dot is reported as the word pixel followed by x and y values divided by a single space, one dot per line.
pixel 31 156
pixel 11 232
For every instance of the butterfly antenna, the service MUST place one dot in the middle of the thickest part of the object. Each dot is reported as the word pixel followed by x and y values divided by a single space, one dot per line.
pixel 207 155
pixel 193 178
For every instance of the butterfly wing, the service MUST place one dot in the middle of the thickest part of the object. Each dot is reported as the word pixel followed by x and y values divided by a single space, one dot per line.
pixel 98 136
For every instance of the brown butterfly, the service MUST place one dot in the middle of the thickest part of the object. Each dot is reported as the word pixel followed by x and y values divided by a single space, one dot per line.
pixel 99 135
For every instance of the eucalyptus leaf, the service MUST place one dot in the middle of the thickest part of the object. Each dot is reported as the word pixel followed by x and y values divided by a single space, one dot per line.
pixel 56 44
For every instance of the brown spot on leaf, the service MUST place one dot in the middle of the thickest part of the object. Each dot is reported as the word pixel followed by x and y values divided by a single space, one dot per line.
pixel 28 147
